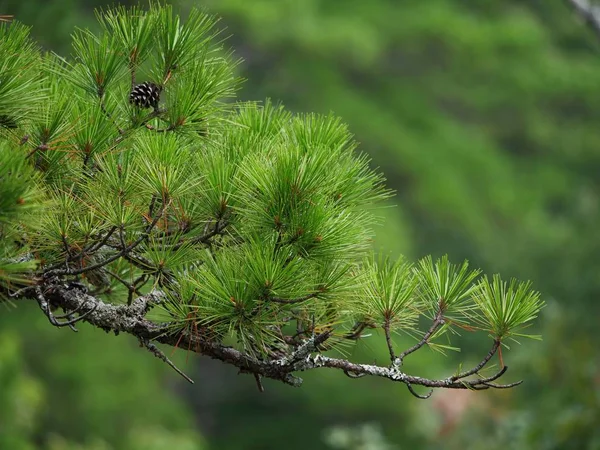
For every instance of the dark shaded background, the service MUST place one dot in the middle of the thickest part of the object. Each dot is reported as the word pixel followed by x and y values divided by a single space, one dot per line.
pixel 484 118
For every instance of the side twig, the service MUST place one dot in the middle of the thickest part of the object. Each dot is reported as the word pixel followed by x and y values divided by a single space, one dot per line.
pixel 479 366
pixel 388 340
pixel 160 355
pixel 437 322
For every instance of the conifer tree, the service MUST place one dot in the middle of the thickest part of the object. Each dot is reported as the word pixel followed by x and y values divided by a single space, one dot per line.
pixel 136 195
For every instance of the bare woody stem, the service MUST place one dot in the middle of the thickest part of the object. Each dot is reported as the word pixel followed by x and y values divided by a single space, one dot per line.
pixel 388 339
pixel 437 322
pixel 292 301
pixel 481 365
pixel 130 319
pixel 205 237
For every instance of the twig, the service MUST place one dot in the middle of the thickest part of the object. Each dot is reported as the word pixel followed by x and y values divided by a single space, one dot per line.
pixel 259 384
pixel 97 246
pixel 493 377
pixel 160 355
pixel 55 320
pixel 388 340
pixel 22 292
pixel 413 392
pixel 160 130
pixel 131 288
pixel 479 366
pixel 357 330
pixel 66 245
pixel 504 386
pixel 437 322
pixel 122 238
pixel 354 375
pixel 92 248
pixel 205 237
pixel 292 301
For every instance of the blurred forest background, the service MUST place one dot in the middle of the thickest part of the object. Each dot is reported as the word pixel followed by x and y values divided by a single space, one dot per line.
pixel 484 116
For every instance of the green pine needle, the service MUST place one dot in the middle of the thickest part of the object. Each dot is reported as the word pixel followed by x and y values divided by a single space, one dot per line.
pixel 505 308
pixel 445 286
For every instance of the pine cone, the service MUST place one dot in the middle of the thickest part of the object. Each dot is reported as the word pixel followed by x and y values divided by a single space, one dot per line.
pixel 145 95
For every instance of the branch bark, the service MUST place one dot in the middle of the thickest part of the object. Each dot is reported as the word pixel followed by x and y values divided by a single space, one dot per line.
pixel 131 319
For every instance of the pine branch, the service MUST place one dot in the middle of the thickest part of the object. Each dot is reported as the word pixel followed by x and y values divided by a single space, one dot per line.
pixel 289 202
pixel 132 320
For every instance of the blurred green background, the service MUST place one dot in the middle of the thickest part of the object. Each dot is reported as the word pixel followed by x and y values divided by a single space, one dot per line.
pixel 484 116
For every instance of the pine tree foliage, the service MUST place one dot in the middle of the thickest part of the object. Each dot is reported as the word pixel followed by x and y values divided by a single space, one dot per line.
pixel 128 176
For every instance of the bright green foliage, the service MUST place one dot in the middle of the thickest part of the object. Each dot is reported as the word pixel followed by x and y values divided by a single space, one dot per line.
pixel 390 290
pixel 506 307
pixel 286 198
pixel 132 29
pixel 19 193
pixel 20 94
pixel 246 216
pixel 444 285
pixel 20 90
